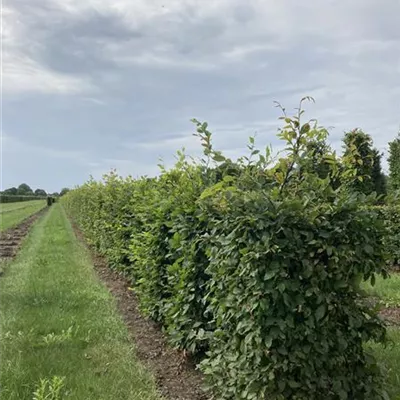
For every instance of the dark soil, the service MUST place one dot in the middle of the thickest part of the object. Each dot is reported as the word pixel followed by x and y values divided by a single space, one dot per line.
pixel 176 375
pixel 11 239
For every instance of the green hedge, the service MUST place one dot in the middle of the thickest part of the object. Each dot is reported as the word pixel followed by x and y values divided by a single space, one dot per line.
pixel 255 268
pixel 391 214
pixel 285 298
pixel 5 198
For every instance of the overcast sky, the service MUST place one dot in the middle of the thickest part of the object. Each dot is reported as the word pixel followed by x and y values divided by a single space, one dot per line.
pixel 90 85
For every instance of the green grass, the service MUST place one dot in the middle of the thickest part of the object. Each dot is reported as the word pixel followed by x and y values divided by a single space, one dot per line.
pixel 388 290
pixel 389 359
pixel 11 214
pixel 60 329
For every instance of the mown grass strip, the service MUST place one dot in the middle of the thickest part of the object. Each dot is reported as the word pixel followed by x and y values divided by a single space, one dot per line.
pixel 60 330
pixel 10 217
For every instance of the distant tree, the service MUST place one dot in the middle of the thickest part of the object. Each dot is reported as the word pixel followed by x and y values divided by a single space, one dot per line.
pixel 40 192
pixel 363 163
pixel 11 191
pixel 24 190
pixel 55 194
pixel 394 163
pixel 377 176
pixel 64 191
pixel 315 160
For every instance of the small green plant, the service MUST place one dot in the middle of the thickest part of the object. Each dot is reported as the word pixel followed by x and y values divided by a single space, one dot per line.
pixel 53 338
pixel 394 164
pixel 49 389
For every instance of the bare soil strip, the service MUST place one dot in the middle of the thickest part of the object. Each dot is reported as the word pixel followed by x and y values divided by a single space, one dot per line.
pixel 175 374
pixel 10 240
pixel 391 313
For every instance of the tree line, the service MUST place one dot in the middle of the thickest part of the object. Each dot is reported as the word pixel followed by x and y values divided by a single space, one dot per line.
pixel 25 190
pixel 363 162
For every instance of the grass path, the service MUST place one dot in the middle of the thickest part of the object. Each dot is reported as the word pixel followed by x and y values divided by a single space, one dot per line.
pixel 11 214
pixel 60 330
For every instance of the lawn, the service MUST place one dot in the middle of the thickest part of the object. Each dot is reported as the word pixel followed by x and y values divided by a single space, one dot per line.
pixel 387 289
pixel 11 214
pixel 60 329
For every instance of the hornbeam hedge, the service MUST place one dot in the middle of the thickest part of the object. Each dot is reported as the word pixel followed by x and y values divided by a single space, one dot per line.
pixel 7 198
pixel 254 265
pixel 391 215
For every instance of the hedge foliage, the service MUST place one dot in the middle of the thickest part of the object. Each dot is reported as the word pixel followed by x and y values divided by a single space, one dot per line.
pixel 5 198
pixel 391 215
pixel 253 264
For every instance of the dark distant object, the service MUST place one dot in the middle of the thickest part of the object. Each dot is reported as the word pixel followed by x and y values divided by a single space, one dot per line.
pixel 50 201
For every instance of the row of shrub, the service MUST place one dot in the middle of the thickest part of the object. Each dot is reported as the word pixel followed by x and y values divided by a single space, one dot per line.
pixel 391 215
pixel 5 198
pixel 254 265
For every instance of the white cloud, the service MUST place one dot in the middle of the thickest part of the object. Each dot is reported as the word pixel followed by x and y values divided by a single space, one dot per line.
pixel 22 75
pixel 94 101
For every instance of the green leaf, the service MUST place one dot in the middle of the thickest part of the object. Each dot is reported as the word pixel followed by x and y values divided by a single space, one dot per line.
pixel 305 128
pixel 320 312
pixel 269 274
pixel 218 157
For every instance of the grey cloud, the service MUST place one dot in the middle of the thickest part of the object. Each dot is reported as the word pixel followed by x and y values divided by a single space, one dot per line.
pixel 68 44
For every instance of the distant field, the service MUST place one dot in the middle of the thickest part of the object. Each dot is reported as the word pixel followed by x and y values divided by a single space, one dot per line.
pixel 11 214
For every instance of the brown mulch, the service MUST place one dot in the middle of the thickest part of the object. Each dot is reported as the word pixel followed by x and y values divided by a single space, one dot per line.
pixel 175 374
pixel 11 239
